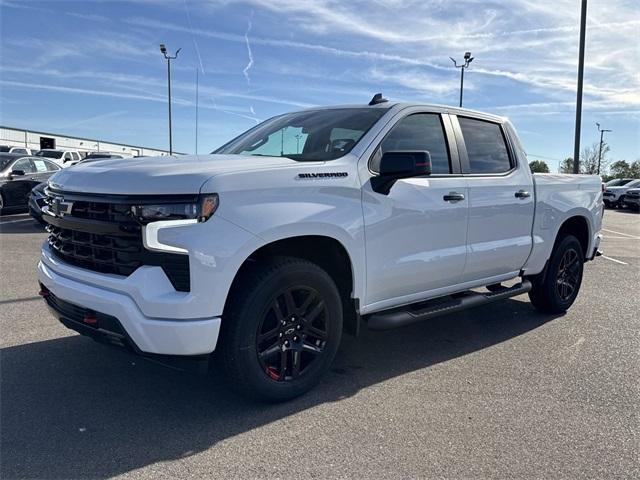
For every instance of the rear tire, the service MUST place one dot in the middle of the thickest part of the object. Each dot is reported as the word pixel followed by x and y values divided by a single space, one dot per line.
pixel 281 329
pixel 555 289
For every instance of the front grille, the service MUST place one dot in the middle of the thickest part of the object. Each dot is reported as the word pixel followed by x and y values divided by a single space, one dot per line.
pixel 118 252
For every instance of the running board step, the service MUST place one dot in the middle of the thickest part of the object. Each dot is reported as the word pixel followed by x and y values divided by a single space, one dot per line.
pixel 434 308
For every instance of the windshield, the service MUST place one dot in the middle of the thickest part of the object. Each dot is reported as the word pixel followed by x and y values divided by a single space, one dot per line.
pixel 316 135
pixel 50 153
pixel 634 184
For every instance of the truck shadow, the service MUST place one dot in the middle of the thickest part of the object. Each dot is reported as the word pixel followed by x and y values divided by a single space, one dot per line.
pixel 72 408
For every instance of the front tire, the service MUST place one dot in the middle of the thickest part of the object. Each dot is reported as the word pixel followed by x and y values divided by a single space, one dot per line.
pixel 555 289
pixel 281 329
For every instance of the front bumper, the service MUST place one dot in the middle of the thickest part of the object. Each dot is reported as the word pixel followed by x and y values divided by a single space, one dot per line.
pixel 146 334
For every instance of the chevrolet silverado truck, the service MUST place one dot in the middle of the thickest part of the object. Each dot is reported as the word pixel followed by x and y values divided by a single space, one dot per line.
pixel 307 226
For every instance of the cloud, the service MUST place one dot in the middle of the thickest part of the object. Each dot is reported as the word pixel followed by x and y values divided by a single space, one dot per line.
pixel 91 17
pixel 193 37
pixel 246 69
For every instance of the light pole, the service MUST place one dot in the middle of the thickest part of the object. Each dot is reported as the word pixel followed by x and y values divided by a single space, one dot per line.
pixel 163 50
pixel 576 140
pixel 467 60
pixel 601 142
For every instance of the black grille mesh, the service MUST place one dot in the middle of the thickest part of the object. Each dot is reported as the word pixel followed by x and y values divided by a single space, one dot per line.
pixel 121 253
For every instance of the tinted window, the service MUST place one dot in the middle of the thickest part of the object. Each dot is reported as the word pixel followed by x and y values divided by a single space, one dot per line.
pixel 486 146
pixel 309 135
pixel 25 165
pixel 420 131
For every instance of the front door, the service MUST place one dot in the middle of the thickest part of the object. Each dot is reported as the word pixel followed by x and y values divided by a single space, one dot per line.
pixel 415 238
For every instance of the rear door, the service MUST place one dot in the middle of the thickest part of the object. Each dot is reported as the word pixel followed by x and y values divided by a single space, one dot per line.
pixel 501 200
pixel 415 238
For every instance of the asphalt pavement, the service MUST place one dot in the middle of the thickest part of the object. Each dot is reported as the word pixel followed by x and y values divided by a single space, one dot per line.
pixel 497 392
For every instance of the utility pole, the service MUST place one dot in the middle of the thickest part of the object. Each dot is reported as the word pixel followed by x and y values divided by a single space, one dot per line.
pixel 601 143
pixel 467 60
pixel 576 145
pixel 168 57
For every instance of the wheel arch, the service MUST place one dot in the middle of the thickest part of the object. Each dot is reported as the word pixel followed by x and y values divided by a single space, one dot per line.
pixel 578 226
pixel 325 251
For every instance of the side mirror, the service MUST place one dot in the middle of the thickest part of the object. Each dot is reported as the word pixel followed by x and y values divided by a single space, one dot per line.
pixel 400 164
pixel 17 173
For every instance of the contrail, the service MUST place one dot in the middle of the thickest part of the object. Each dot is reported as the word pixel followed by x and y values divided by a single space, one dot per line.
pixel 193 37
pixel 245 72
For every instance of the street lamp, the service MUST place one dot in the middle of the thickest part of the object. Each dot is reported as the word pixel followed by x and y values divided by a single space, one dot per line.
pixel 168 57
pixel 601 142
pixel 467 60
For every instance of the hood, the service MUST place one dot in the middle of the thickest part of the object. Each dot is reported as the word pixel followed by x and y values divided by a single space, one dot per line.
pixel 183 174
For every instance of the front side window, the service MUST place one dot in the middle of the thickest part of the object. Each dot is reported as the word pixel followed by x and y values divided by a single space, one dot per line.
pixel 25 165
pixel 417 132
pixel 316 135
pixel 486 146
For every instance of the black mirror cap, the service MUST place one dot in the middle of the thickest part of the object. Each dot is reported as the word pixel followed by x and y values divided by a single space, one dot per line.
pixel 17 173
pixel 399 164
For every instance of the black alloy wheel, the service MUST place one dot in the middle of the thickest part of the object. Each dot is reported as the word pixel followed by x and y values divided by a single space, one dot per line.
pixel 568 274
pixel 280 330
pixel 292 334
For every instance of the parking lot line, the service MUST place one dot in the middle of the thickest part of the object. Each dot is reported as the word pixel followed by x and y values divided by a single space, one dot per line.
pixel 15 221
pixel 614 260
pixel 620 233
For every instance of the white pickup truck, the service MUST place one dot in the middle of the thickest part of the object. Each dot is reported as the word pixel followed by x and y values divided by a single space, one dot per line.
pixel 311 224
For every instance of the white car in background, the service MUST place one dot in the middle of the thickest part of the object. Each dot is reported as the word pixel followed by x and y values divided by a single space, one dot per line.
pixel 62 157
pixel 20 150
pixel 614 196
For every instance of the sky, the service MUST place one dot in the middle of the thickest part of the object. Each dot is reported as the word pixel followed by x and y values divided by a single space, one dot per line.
pixel 93 68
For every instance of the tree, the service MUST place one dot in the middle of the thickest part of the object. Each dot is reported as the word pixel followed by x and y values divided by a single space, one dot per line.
pixel 634 169
pixel 566 165
pixel 620 169
pixel 539 166
pixel 589 159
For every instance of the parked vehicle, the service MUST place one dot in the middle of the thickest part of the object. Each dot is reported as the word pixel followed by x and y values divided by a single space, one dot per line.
pixel 632 199
pixel 613 197
pixel 20 150
pixel 296 230
pixel 18 175
pixel 64 158
pixel 618 182
pixel 37 200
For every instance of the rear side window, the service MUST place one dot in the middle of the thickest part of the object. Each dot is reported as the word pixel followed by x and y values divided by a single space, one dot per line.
pixel 420 131
pixel 486 146
pixel 40 165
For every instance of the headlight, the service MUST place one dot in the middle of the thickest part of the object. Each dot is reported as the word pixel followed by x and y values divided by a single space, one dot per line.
pixel 201 210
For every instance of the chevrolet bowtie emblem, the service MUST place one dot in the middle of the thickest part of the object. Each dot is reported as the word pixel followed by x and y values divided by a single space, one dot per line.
pixel 59 207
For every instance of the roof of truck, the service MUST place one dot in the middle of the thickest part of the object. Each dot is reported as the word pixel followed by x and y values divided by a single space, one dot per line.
pixel 427 106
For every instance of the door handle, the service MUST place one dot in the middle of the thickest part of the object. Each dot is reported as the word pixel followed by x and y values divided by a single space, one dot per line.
pixel 522 194
pixel 453 197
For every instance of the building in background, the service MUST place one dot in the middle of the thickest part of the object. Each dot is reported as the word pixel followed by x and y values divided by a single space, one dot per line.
pixel 17 137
